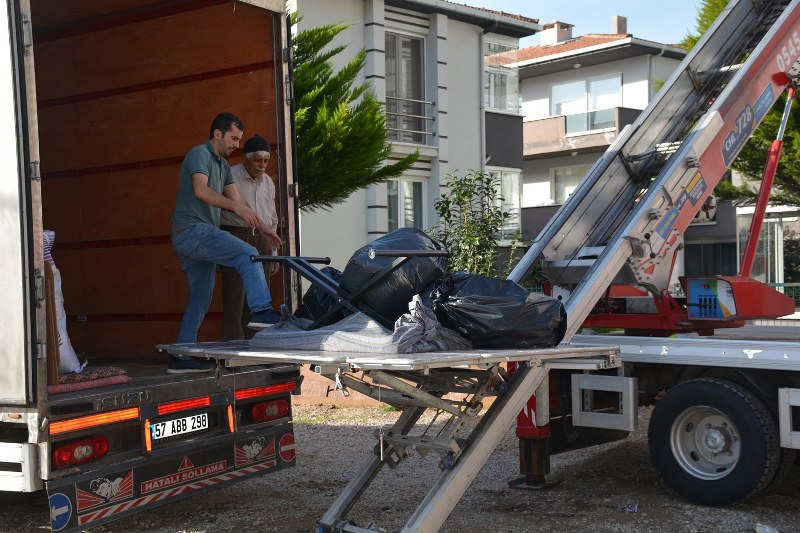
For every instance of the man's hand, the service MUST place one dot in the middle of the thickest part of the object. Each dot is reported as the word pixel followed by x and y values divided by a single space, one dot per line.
pixel 273 238
pixel 248 215
pixel 274 266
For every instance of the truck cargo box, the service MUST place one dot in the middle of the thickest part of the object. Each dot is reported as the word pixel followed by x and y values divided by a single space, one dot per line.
pixel 102 101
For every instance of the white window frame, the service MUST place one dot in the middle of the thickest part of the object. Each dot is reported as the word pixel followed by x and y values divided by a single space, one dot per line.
pixel 401 199
pixel 400 136
pixel 514 224
pixel 588 106
pixel 580 169
pixel 497 70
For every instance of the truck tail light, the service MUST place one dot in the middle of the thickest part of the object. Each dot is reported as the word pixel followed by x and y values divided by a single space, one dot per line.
pixel 271 410
pixel 244 394
pixel 80 451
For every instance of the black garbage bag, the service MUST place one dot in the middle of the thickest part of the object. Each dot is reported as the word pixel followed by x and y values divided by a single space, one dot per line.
pixel 391 296
pixel 496 313
pixel 317 302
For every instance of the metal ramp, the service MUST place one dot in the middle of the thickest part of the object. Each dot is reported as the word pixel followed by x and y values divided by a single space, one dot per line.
pixel 627 217
pixel 452 384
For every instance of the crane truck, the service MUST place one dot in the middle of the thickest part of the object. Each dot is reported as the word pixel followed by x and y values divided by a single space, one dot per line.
pixel 725 423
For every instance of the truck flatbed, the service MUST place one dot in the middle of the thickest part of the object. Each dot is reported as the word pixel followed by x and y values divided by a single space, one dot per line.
pixel 240 352
pixel 453 384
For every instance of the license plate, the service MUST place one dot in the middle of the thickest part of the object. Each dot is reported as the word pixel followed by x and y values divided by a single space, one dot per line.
pixel 179 426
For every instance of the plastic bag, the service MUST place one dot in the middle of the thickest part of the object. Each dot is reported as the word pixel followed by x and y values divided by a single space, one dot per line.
pixel 390 296
pixel 67 358
pixel 496 313
pixel 317 302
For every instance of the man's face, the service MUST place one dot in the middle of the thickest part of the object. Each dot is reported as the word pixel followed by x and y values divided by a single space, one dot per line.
pixel 256 164
pixel 227 142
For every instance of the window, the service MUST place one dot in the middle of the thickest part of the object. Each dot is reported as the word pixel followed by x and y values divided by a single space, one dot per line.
pixel 768 261
pixel 510 199
pixel 568 98
pixel 404 200
pixel 405 88
pixel 501 84
pixel 564 181
pixel 588 104
pixel 709 259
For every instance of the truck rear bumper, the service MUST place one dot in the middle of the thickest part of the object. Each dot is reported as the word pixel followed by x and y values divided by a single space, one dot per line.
pixel 89 499
pixel 19 472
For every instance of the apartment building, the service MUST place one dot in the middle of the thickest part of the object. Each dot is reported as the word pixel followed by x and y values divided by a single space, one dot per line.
pixel 446 73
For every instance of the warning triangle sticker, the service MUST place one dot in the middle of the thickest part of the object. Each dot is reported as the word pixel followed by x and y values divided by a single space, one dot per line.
pixel 185 464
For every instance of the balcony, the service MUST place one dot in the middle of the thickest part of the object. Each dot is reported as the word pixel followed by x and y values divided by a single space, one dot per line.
pixel 555 136
pixel 409 120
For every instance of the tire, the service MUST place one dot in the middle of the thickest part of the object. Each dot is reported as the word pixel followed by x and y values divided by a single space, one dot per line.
pixel 714 441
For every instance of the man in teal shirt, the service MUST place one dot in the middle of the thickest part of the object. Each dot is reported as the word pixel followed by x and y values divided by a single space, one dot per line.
pixel 205 187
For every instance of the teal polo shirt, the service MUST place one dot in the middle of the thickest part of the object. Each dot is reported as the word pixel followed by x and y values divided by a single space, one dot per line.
pixel 188 209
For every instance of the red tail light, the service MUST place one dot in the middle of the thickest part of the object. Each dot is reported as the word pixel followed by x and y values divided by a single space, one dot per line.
pixel 80 451
pixel 272 410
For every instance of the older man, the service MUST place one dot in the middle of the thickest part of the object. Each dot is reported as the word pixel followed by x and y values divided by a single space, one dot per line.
pixel 258 192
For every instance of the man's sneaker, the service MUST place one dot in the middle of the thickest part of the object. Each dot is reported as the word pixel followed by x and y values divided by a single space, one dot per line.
pixel 189 366
pixel 262 319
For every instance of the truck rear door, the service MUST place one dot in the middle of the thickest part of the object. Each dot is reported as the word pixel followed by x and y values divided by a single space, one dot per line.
pixel 17 274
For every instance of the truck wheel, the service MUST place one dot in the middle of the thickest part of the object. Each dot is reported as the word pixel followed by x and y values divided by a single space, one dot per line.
pixel 714 441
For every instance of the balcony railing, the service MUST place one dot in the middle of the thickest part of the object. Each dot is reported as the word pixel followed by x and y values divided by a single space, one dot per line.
pixel 592 121
pixel 409 120
pixel 561 135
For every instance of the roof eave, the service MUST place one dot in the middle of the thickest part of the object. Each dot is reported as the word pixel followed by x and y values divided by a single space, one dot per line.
pixel 643 46
pixel 489 22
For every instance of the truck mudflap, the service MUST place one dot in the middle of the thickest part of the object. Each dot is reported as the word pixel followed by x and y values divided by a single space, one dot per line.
pixel 94 498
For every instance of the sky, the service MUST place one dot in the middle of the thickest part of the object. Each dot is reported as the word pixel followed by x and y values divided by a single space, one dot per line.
pixel 666 22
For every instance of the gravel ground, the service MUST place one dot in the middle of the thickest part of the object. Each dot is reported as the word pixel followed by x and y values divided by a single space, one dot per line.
pixel 596 485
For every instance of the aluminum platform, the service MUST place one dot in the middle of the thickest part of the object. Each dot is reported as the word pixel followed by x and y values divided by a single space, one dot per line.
pixel 453 384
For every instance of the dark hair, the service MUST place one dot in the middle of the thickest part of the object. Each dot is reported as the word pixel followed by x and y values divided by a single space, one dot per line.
pixel 223 123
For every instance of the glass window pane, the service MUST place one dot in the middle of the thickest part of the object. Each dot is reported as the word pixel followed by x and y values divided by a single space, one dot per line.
pixel 606 118
pixel 391 84
pixel 605 93
pixel 392 203
pixel 566 180
pixel 412 204
pixel 405 88
pixel 568 98
pixel 404 204
pixel 501 86
pixel 509 188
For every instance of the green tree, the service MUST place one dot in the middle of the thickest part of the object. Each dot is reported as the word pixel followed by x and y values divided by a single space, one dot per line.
pixel 751 160
pixel 342 143
pixel 470 220
pixel 707 13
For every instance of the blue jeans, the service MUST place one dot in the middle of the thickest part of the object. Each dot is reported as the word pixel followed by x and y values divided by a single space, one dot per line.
pixel 200 248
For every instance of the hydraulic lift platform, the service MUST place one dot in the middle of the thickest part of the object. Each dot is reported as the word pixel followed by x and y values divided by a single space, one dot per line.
pixel 452 384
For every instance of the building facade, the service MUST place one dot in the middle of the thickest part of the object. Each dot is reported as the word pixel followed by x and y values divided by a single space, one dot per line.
pixel 446 74
pixel 578 93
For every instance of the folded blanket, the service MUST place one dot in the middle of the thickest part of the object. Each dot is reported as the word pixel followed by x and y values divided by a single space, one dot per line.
pixel 414 332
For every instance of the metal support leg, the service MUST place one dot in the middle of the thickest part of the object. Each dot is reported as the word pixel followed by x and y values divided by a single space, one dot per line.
pixel 448 490
pixel 356 487
pixel 534 464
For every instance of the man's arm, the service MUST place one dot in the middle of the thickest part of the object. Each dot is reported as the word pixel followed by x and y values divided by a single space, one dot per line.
pixel 231 193
pixel 231 200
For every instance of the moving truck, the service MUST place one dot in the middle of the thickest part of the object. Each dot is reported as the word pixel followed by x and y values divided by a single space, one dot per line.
pixel 100 102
